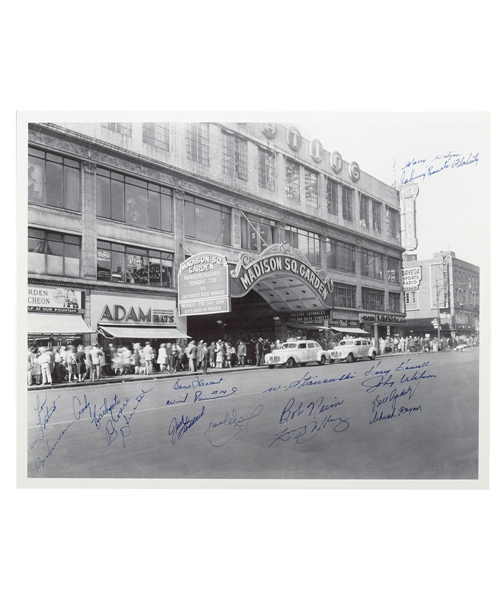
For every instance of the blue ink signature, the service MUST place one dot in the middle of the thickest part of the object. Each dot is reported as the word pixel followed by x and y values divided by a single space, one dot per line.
pixel 196 383
pixel 306 432
pixel 308 380
pixel 40 462
pixel 125 430
pixel 452 160
pixel 393 397
pixel 178 428
pixel 222 432
pixel 44 413
pixel 310 430
pixel 403 410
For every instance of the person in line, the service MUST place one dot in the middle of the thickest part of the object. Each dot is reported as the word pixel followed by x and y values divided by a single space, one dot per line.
pixel 192 354
pixel 241 353
pixel 95 354
pixel 148 357
pixel 162 357
pixel 221 354
pixel 44 362
pixel 170 357
pixel 31 363
pixel 80 363
pixel 203 357
pixel 175 357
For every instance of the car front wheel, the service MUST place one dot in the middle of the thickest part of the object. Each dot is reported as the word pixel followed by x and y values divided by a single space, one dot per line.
pixel 350 358
pixel 271 366
pixel 322 360
pixel 372 356
pixel 290 363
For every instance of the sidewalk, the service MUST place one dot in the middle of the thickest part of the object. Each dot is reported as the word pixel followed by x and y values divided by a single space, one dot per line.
pixel 210 373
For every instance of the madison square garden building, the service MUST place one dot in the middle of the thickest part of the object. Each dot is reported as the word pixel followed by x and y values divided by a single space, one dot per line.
pixel 122 214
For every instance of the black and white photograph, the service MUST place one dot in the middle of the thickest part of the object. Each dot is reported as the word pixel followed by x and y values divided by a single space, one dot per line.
pixel 258 299
pixel 248 303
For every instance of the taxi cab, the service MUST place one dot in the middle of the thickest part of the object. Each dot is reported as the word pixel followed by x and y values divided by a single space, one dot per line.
pixel 351 349
pixel 298 352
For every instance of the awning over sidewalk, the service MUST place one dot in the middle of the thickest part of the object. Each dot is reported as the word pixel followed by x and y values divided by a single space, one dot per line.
pixel 56 323
pixel 141 333
pixel 350 330
pixel 306 326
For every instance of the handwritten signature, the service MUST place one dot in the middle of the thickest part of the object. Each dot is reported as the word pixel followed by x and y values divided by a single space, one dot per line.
pixel 44 414
pixel 177 429
pixel 196 383
pixel 321 419
pixel 441 162
pixel 308 380
pixel 222 432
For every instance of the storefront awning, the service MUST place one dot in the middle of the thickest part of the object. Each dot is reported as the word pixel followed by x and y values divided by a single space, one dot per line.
pixel 306 326
pixel 141 333
pixel 55 323
pixel 350 330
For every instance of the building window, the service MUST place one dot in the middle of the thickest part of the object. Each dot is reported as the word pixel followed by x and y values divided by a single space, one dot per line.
pixel 53 180
pixel 364 211
pixel 340 256
pixel 234 156
pixel 123 128
pixel 393 270
pixel 52 253
pixel 312 188
pixel 197 143
pixel 372 264
pixel 332 197
pixel 133 201
pixel 267 169
pixel 207 221
pixel 393 223
pixel 305 241
pixel 377 216
pixel 292 180
pixel 411 300
pixel 257 233
pixel 128 264
pixel 394 302
pixel 372 299
pixel 344 295
pixel 347 204
pixel 156 134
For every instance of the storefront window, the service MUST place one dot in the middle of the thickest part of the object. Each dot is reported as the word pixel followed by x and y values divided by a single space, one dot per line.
pixel 53 180
pixel 312 188
pixel 394 302
pixel 53 253
pixel 372 299
pixel 128 264
pixel 267 169
pixel 207 221
pixel 372 264
pixel 347 203
pixel 133 201
pixel 256 233
pixel 340 256
pixel 305 241
pixel 345 295
pixel 393 270
pixel 332 197
pixel 292 180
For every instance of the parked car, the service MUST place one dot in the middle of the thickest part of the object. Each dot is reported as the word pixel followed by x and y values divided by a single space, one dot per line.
pixel 297 353
pixel 353 349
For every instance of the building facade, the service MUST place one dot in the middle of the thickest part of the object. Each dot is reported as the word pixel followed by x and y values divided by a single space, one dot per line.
pixel 115 208
pixel 441 295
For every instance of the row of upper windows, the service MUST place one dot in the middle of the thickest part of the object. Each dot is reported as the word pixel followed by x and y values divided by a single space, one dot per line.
pixel 235 163
pixel 54 253
pixel 55 181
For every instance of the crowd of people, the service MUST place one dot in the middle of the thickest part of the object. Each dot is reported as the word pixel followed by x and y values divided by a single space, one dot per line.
pixel 61 364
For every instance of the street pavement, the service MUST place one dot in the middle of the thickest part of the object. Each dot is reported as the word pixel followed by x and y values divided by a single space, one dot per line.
pixel 404 416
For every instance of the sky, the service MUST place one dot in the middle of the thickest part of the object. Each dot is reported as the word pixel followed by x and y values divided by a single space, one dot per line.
pixel 453 202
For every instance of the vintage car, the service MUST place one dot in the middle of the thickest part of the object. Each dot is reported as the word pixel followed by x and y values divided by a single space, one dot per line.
pixel 351 349
pixel 298 352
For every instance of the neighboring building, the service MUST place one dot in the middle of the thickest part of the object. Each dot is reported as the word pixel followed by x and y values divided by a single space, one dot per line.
pixel 441 292
pixel 115 208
